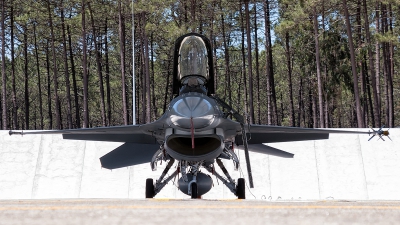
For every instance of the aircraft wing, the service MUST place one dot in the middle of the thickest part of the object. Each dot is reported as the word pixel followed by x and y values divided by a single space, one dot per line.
pixel 140 134
pixel 257 134
pixel 141 141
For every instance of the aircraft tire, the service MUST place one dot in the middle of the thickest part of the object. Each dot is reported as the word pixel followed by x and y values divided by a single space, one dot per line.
pixel 149 188
pixel 194 191
pixel 240 189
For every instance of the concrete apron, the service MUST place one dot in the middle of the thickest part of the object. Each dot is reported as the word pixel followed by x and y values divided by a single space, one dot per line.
pixel 346 166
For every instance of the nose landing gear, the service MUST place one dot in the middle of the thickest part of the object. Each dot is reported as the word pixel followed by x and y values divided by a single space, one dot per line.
pixel 194 191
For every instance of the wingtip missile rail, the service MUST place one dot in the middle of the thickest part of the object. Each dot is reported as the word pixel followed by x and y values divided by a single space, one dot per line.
pixel 16 132
pixel 380 133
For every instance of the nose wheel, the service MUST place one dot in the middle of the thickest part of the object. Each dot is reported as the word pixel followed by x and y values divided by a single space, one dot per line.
pixel 194 194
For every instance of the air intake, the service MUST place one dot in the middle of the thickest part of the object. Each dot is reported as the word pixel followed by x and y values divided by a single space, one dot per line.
pixel 180 147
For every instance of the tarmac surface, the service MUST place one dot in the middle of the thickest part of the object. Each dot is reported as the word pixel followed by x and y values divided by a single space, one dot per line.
pixel 188 211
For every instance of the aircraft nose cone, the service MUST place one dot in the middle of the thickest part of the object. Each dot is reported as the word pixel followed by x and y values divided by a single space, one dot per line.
pixel 197 109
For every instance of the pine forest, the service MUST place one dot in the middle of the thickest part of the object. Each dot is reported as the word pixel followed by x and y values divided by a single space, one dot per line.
pixel 306 63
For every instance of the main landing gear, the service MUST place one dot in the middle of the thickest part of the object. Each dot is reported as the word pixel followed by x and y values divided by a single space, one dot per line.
pixel 240 189
pixel 193 182
pixel 149 188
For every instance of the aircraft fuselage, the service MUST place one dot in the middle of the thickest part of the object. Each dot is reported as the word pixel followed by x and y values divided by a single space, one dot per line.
pixel 193 134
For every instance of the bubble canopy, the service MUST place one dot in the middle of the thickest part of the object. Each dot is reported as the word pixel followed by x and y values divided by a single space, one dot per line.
pixel 193 60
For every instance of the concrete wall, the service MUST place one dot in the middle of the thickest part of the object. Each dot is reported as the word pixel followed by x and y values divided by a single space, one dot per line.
pixel 343 167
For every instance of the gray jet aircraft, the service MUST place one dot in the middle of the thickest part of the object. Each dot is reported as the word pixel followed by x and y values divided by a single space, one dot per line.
pixel 196 130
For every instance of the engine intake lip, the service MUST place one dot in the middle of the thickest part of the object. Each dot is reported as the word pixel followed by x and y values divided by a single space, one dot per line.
pixel 206 146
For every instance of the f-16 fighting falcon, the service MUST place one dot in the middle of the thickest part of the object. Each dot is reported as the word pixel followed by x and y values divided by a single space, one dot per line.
pixel 196 131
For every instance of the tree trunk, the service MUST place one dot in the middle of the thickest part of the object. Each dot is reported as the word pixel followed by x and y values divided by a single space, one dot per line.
pixel 153 99
pixel 3 67
pixel 270 68
pixel 289 68
pixel 375 112
pixel 377 66
pixel 360 119
pixel 257 66
pixel 249 62
pixel 386 66
pixel 99 69
pixel 325 73
pixel 121 29
pixel 243 63
pixel 26 78
pixel 193 12
pixel 39 80
pixel 14 92
pixel 167 85
pixel 391 69
pixel 48 87
pixel 300 103
pixel 364 109
pixel 146 69
pixel 108 93
pixel 326 110
pixel 55 70
pixel 369 97
pixel 67 82
pixel 213 47
pixel 318 62
pixel 314 110
pixel 213 41
pixel 226 55
pixel 74 85
pixel 143 80
pixel 84 68
pixel 392 75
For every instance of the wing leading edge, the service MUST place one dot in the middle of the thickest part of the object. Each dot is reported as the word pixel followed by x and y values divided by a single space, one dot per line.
pixel 141 134
pixel 258 134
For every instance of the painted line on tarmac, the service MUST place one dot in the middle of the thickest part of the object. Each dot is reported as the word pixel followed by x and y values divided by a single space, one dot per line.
pixel 91 207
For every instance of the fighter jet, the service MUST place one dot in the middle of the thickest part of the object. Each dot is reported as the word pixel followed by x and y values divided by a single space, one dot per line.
pixel 197 130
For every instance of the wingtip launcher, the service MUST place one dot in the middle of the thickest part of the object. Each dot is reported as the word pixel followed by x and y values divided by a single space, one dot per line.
pixel 16 132
pixel 380 133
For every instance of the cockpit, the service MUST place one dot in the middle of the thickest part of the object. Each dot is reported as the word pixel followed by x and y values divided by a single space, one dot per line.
pixel 193 58
pixel 193 65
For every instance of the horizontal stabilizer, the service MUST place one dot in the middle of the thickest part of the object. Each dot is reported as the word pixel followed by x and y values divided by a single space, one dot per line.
pixel 129 154
pixel 264 149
